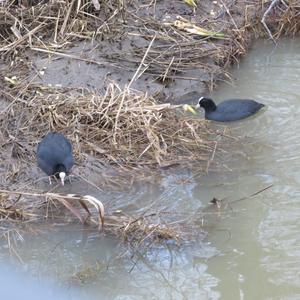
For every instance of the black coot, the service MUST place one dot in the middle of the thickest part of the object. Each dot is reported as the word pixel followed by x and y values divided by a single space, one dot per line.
pixel 54 155
pixel 229 110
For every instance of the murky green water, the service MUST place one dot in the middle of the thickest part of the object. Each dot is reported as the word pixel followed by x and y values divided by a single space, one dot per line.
pixel 252 250
pixel 262 258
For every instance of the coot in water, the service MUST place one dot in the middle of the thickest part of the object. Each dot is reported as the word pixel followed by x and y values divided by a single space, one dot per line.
pixel 54 156
pixel 229 110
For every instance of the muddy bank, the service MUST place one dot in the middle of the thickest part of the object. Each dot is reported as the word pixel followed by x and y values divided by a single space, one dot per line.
pixel 85 47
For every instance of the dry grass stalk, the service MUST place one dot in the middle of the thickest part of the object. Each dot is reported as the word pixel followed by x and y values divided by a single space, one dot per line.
pixel 63 199
pixel 279 18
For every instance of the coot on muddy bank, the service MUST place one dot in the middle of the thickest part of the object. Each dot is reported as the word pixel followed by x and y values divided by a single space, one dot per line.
pixel 54 156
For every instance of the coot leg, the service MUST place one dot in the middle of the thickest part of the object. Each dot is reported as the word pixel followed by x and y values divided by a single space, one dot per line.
pixel 50 179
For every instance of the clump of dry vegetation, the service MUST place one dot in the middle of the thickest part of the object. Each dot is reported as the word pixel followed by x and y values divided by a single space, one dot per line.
pixel 122 127
pixel 150 226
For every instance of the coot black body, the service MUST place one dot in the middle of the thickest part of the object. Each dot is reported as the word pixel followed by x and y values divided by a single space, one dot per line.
pixel 229 110
pixel 54 155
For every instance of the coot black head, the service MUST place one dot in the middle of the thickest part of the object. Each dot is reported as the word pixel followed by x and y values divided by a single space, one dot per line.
pixel 207 103
pixel 54 155
pixel 60 171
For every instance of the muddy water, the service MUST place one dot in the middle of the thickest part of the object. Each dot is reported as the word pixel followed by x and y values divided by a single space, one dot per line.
pixel 252 250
